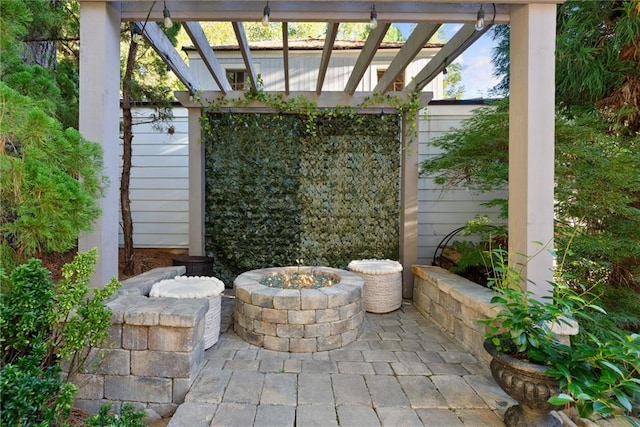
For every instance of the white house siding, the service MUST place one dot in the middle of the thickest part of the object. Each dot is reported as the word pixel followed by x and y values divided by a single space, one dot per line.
pixel 159 186
pixel 303 69
pixel 439 211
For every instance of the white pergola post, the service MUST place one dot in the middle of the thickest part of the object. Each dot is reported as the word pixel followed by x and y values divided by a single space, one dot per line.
pixel 196 184
pixel 531 142
pixel 99 122
pixel 409 205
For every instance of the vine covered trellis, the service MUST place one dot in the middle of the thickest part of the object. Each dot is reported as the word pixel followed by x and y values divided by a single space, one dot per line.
pixel 280 189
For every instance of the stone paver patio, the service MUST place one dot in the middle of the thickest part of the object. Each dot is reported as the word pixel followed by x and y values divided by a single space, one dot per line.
pixel 403 370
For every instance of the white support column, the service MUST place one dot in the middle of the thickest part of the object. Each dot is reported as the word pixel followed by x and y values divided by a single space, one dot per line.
pixel 196 184
pixel 531 142
pixel 409 205
pixel 99 122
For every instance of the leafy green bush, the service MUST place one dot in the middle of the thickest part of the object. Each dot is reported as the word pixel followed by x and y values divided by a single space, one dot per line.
pixel 43 326
pixel 128 417
pixel 597 186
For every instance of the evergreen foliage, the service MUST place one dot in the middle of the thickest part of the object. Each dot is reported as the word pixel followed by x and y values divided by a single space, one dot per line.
pixel 50 179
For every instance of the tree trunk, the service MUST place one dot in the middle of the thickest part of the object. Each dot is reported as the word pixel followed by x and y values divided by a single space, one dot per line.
pixel 127 139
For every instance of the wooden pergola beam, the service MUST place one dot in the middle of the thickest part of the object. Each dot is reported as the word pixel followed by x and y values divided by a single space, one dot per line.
pixel 414 44
pixel 162 45
pixel 243 43
pixel 454 47
pixel 366 56
pixel 330 38
pixel 199 39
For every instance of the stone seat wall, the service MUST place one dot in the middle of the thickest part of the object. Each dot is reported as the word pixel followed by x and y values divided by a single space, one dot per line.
pixel 456 304
pixel 154 351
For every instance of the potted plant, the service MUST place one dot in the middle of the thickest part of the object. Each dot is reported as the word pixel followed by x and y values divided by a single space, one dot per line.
pixel 599 376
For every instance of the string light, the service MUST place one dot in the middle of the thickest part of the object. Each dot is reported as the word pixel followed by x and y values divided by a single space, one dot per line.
pixel 374 18
pixel 167 17
pixel 480 19
pixel 265 15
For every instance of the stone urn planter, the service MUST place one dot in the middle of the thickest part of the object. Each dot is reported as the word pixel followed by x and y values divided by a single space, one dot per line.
pixel 528 384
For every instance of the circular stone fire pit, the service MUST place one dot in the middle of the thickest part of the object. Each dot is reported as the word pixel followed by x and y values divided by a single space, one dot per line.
pixel 299 320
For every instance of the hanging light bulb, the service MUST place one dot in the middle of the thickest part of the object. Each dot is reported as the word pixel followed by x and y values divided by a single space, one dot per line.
pixel 374 18
pixel 265 15
pixel 167 17
pixel 480 19
pixel 136 37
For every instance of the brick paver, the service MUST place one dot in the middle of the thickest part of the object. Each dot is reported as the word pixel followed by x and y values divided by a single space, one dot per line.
pixel 402 370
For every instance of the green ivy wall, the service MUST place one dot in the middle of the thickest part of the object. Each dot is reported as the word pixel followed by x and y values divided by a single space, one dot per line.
pixel 279 190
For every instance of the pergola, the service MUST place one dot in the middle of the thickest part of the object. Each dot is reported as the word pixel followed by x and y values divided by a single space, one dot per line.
pixel 531 135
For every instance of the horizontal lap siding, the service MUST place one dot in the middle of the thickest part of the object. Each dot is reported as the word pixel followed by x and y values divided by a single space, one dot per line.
pixel 159 187
pixel 440 212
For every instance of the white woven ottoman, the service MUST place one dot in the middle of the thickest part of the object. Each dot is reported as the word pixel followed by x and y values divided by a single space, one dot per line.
pixel 196 287
pixel 383 283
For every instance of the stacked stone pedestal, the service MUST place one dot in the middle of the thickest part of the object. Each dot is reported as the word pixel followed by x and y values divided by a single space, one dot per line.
pixel 154 351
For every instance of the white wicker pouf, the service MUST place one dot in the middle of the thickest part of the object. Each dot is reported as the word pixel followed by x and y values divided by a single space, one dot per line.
pixel 383 283
pixel 196 287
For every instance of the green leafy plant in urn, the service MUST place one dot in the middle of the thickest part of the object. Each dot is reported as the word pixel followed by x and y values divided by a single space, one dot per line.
pixel 541 369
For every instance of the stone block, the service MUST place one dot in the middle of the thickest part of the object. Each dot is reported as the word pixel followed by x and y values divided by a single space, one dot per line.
pixel 114 340
pixel 90 386
pixel 265 328
pixel 312 299
pixel 180 389
pixel 142 283
pixel 276 343
pixel 184 312
pixel 135 337
pixel 287 299
pixel 301 317
pixel 137 389
pixel 166 364
pixel 252 311
pixel 451 305
pixel 147 313
pixel 336 297
pixel 120 305
pixel 328 315
pixel 244 291
pixel 93 406
pixel 109 361
pixel 355 321
pixel 238 306
pixel 166 338
pixel 264 296
pixel 254 338
pixel 349 336
pixel 317 330
pixel 290 331
pixel 329 343
pixel 339 326
pixel 244 321
pixel 349 310
pixel 302 345
pixel 164 409
pixel 274 316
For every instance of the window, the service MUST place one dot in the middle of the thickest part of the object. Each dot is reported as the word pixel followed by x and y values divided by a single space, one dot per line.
pixel 236 79
pixel 397 85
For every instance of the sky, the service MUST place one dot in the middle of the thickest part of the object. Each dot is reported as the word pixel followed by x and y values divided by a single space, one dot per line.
pixel 477 70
